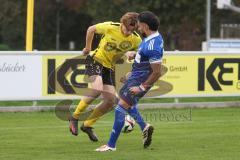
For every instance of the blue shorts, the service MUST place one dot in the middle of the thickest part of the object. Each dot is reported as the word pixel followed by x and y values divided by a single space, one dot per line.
pixel 126 95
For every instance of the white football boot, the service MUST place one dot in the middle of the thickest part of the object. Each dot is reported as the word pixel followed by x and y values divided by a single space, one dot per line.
pixel 105 148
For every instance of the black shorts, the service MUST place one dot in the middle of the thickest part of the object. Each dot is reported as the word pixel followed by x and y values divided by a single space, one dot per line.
pixel 95 68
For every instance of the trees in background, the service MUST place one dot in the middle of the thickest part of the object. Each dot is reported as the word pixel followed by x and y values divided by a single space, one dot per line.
pixel 182 21
pixel 12 24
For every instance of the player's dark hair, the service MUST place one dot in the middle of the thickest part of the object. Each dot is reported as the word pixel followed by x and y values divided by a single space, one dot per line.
pixel 150 19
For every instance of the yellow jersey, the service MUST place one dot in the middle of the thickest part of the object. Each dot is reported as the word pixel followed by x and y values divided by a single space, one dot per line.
pixel 113 44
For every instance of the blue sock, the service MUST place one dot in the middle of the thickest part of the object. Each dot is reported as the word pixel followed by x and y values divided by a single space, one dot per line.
pixel 133 112
pixel 120 113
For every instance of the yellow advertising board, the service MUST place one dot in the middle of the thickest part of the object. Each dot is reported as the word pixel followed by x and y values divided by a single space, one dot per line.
pixel 63 75
pixel 184 75
pixel 203 75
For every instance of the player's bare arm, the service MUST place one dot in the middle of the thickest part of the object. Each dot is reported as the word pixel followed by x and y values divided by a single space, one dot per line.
pixel 125 77
pixel 89 38
pixel 154 76
pixel 156 73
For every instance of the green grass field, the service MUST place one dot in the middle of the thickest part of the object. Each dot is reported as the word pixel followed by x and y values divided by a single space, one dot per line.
pixel 180 134
pixel 144 100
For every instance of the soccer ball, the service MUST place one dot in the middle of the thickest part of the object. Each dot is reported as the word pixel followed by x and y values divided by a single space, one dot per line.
pixel 128 124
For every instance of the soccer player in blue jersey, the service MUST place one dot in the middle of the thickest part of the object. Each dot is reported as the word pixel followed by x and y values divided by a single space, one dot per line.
pixel 146 70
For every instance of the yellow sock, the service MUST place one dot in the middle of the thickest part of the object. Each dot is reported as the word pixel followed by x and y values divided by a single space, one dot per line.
pixel 81 107
pixel 93 117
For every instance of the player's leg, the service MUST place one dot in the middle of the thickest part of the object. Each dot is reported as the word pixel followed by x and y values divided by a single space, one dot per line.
pixel 102 108
pixel 120 111
pixel 94 71
pixel 147 129
pixel 96 86
pixel 133 112
pixel 108 94
pixel 123 106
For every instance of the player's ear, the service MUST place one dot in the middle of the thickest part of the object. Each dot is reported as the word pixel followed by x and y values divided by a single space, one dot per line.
pixel 146 27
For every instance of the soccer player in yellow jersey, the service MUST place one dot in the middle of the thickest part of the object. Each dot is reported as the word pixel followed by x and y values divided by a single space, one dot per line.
pixel 117 40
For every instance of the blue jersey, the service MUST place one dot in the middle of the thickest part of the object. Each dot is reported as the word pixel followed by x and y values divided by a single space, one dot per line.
pixel 149 51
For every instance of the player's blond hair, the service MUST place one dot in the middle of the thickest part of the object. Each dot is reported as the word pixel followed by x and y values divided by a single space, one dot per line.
pixel 129 19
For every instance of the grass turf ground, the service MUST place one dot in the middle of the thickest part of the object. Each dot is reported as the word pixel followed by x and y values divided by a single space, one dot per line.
pixel 208 134
pixel 144 100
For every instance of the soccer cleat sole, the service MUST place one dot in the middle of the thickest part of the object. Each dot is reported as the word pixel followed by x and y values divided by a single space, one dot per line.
pixel 149 139
pixel 93 138
pixel 75 133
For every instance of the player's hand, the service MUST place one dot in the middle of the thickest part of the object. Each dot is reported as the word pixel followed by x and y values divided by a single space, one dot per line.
pixel 135 90
pixel 86 51
pixel 125 78
pixel 131 55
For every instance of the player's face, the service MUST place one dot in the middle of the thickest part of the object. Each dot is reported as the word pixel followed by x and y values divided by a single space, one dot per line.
pixel 127 30
pixel 142 28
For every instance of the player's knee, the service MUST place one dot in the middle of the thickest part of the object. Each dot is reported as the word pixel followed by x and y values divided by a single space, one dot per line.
pixel 110 101
pixel 93 95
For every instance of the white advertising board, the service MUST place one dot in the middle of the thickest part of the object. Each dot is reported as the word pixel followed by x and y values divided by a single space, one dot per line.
pixel 20 77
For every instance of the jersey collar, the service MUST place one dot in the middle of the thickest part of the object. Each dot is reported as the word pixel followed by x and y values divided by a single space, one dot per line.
pixel 152 36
